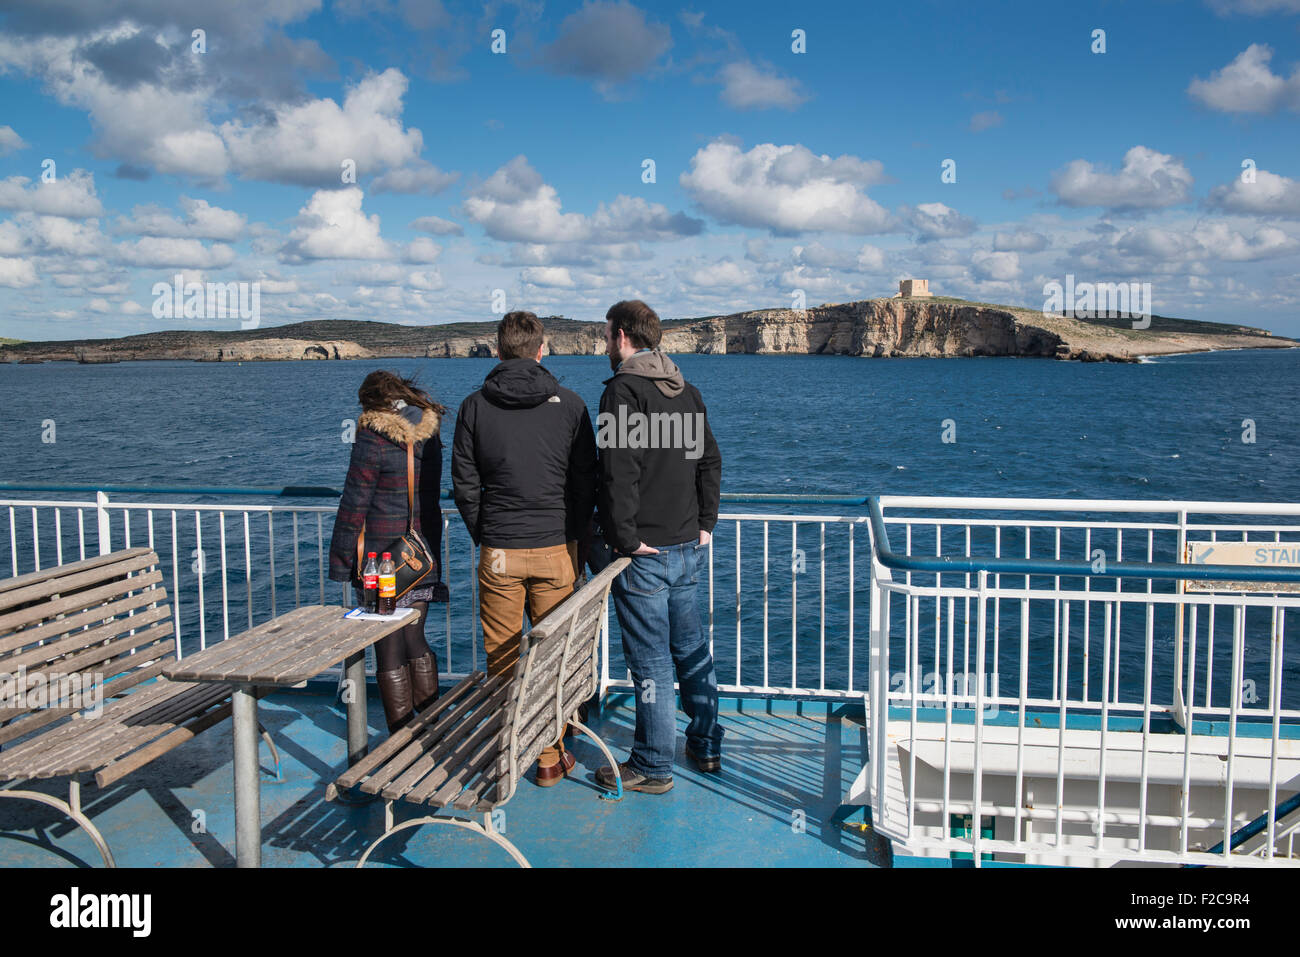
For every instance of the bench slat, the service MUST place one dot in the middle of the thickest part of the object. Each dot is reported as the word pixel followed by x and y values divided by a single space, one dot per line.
pixel 406 768
pixel 450 751
pixel 403 736
pixel 24 725
pixel 72 568
pixel 40 591
pixel 83 620
pixel 62 651
pixel 466 708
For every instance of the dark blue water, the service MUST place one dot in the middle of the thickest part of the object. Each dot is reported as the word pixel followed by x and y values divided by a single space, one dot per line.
pixel 1171 428
pixel 1168 429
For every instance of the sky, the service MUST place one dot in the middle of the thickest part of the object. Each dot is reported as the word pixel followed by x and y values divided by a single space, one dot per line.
pixel 428 162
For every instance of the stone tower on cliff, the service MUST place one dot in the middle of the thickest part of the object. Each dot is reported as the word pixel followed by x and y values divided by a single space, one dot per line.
pixel 913 288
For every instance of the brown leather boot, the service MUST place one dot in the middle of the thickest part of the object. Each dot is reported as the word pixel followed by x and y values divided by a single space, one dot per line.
pixel 424 681
pixel 395 690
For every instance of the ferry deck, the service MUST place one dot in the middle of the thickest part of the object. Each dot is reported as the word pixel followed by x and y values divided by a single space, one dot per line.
pixel 889 667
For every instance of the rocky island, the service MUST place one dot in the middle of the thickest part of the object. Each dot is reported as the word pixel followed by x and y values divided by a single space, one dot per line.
pixel 872 328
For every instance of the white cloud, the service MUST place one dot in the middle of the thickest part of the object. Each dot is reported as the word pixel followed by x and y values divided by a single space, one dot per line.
pixel 557 276
pixel 201 221
pixel 11 239
pixel 419 177
pixel 1147 180
pixel 995 265
pixel 1020 241
pixel 437 226
pixel 428 279
pixel 55 234
pixel 1248 85
pixel 16 273
pixel 606 42
pixel 516 205
pixel 72 196
pixel 720 275
pixel 422 249
pixel 307 143
pixel 787 189
pixel 936 221
pixel 747 87
pixel 1269 195
pixel 10 142
pixel 1255 8
pixel 985 121
pixel 333 226
pixel 158 251
pixel 871 258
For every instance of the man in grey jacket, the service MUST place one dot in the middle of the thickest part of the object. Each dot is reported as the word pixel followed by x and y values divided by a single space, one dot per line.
pixel 661 477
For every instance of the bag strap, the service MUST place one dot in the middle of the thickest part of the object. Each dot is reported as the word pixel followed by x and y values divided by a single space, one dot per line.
pixel 410 505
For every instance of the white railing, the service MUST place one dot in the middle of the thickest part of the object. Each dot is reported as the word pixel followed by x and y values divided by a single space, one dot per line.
pixel 1043 685
pixel 780 610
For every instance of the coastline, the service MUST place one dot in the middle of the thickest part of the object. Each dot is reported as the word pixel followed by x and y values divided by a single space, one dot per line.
pixel 873 328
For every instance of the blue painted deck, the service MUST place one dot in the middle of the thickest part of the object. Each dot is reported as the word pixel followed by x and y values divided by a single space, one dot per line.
pixel 779 757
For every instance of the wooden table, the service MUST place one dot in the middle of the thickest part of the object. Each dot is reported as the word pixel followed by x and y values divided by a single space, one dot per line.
pixel 282 652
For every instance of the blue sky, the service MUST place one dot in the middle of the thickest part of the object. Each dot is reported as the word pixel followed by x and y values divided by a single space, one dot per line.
pixel 522 172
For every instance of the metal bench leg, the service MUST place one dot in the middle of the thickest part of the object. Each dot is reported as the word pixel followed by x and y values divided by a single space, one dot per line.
pixel 618 775
pixel 275 755
pixel 486 829
pixel 72 808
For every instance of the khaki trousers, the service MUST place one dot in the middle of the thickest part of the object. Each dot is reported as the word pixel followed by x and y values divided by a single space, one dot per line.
pixel 510 581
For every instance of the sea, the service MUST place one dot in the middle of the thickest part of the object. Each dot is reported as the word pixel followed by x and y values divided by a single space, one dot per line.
pixel 1218 426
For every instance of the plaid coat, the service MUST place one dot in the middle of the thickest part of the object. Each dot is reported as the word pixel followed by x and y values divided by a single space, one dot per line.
pixel 375 490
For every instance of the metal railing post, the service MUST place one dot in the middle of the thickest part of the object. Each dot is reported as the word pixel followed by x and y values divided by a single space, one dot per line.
pixel 101 516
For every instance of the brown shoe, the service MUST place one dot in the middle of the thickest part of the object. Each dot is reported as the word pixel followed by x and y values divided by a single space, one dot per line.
pixel 548 777
pixel 424 681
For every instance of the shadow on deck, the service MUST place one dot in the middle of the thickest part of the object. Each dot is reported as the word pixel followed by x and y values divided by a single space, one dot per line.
pixel 776 802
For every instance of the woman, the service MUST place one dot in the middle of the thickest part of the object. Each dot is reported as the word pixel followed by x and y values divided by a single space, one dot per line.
pixel 395 412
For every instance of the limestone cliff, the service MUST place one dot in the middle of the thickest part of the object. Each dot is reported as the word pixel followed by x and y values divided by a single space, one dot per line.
pixel 872 328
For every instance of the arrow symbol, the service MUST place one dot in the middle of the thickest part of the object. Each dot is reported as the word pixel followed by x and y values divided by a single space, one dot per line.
pixel 1205 554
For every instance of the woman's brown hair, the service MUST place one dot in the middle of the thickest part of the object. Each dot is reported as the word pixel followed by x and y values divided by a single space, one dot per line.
pixel 381 389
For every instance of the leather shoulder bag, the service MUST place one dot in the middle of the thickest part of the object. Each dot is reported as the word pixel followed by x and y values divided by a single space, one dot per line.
pixel 410 552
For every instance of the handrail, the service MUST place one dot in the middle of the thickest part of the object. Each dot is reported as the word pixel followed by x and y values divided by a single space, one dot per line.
pixel 1064 568
pixel 1247 831
pixel 321 491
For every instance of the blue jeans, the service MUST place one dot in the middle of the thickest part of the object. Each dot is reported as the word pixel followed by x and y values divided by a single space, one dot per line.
pixel 658 614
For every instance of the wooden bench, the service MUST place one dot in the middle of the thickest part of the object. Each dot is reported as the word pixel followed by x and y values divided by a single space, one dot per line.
pixel 97 630
pixel 470 748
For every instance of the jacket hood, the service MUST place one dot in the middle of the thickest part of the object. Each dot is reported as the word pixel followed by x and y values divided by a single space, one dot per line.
pixel 656 367
pixel 408 424
pixel 519 384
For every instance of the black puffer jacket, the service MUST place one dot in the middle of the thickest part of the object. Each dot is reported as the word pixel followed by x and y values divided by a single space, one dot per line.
pixel 523 464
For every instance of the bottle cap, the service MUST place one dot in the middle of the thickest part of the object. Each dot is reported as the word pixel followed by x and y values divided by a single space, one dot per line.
pixel 388 556
pixel 370 554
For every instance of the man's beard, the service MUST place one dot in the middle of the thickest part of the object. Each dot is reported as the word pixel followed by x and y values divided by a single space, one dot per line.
pixel 614 361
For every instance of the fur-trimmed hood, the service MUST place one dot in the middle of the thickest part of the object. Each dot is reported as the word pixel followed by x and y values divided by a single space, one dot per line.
pixel 408 424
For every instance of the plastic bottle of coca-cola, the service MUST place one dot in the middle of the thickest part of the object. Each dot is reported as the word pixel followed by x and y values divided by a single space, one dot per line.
pixel 370 583
pixel 387 585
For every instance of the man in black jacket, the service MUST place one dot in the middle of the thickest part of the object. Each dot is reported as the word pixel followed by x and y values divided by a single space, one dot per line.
pixel 661 478
pixel 523 472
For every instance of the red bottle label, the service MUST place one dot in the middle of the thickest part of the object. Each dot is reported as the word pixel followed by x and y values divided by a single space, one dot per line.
pixel 370 582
